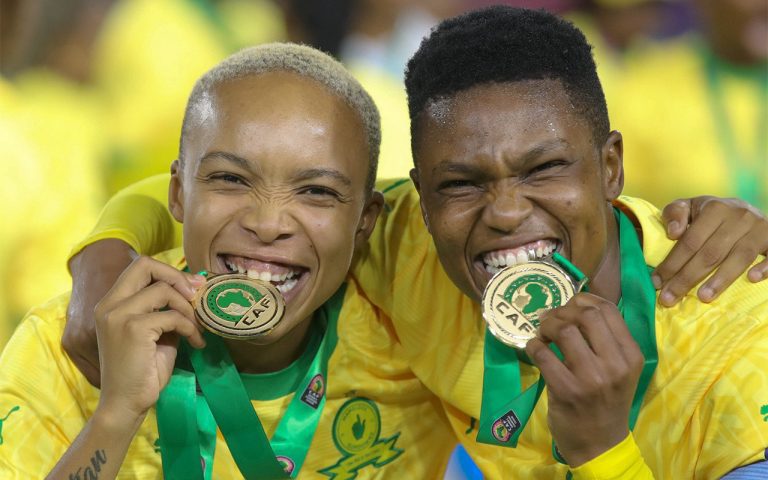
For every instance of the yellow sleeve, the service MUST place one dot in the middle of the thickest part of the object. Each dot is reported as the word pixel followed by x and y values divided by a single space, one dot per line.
pixel 43 404
pixel 139 216
pixel 622 462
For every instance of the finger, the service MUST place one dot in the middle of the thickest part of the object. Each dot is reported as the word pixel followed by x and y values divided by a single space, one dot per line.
pixel 561 327
pixel 559 379
pixel 155 297
pixel 162 323
pixel 594 327
pixel 676 217
pixel 758 272
pixel 728 271
pixel 717 248
pixel 685 249
pixel 627 346
pixel 144 271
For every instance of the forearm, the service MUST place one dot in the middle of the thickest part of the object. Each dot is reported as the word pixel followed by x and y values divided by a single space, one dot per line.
pixel 99 450
pixel 95 269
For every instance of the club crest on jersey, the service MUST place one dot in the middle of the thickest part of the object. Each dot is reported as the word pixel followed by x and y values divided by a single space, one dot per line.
pixel 356 432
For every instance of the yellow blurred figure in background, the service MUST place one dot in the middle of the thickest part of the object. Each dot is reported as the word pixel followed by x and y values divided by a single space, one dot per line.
pixel 92 102
pixel 147 59
pixel 694 110
pixel 51 138
pixel 92 96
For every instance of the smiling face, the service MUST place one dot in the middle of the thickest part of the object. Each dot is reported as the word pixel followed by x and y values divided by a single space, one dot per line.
pixel 509 172
pixel 273 184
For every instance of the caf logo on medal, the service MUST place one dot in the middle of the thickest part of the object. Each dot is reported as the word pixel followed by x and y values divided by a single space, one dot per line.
pixel 518 295
pixel 235 306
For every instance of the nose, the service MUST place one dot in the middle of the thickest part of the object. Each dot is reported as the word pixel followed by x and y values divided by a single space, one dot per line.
pixel 267 221
pixel 506 209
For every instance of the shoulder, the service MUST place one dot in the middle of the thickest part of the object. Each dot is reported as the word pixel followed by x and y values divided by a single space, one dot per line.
pixel 43 323
pixel 647 217
pixel 743 301
pixel 173 257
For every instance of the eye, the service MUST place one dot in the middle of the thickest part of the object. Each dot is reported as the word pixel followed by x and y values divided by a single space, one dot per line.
pixel 547 166
pixel 455 184
pixel 459 188
pixel 225 177
pixel 319 191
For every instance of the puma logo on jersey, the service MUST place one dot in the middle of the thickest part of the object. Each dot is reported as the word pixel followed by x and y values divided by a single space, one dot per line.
pixel 2 421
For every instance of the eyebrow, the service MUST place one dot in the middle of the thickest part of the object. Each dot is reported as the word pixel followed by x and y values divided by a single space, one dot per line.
pixel 450 166
pixel 542 149
pixel 313 173
pixel 230 157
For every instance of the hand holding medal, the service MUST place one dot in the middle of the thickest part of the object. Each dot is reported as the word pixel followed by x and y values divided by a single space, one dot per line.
pixel 612 343
pixel 236 306
pixel 518 295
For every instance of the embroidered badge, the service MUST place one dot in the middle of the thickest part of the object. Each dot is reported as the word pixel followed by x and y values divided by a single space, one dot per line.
pixel 314 391
pixel 356 431
pixel 505 427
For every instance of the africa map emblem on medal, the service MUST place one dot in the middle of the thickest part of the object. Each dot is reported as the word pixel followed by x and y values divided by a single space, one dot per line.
pixel 235 306
pixel 518 295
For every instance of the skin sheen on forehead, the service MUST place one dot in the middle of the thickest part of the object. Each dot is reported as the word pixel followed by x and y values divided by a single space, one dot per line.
pixel 468 110
pixel 545 94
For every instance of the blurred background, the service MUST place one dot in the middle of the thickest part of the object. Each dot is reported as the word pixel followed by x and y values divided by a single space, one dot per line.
pixel 92 94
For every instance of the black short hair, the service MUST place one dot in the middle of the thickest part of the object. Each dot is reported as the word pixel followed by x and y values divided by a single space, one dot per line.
pixel 502 44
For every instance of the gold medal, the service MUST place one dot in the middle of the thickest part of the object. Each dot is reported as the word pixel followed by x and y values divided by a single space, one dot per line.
pixel 235 306
pixel 518 295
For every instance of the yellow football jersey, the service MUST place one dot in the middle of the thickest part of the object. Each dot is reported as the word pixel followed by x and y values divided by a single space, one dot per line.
pixel 45 402
pixel 704 413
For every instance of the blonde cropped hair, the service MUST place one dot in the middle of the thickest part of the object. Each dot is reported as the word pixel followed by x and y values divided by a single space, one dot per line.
pixel 304 61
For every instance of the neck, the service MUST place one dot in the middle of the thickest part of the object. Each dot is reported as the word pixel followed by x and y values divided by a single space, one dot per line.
pixel 606 282
pixel 251 358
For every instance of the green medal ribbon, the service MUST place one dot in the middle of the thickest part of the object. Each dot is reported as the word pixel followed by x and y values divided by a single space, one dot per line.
pixel 505 408
pixel 187 421
pixel 749 168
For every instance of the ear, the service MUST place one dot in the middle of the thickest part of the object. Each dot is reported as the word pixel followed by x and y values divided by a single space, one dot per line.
pixel 424 216
pixel 368 218
pixel 176 192
pixel 613 165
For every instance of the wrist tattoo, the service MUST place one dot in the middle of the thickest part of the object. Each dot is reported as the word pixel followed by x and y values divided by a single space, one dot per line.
pixel 91 472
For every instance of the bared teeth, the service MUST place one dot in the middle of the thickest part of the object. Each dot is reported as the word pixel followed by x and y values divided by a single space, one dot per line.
pixel 287 286
pixel 285 279
pixel 272 277
pixel 536 250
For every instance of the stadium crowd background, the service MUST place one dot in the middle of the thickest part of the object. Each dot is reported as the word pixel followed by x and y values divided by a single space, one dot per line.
pixel 92 94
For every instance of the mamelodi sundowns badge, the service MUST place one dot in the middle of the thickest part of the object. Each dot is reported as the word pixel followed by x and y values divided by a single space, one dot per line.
pixel 517 295
pixel 235 306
